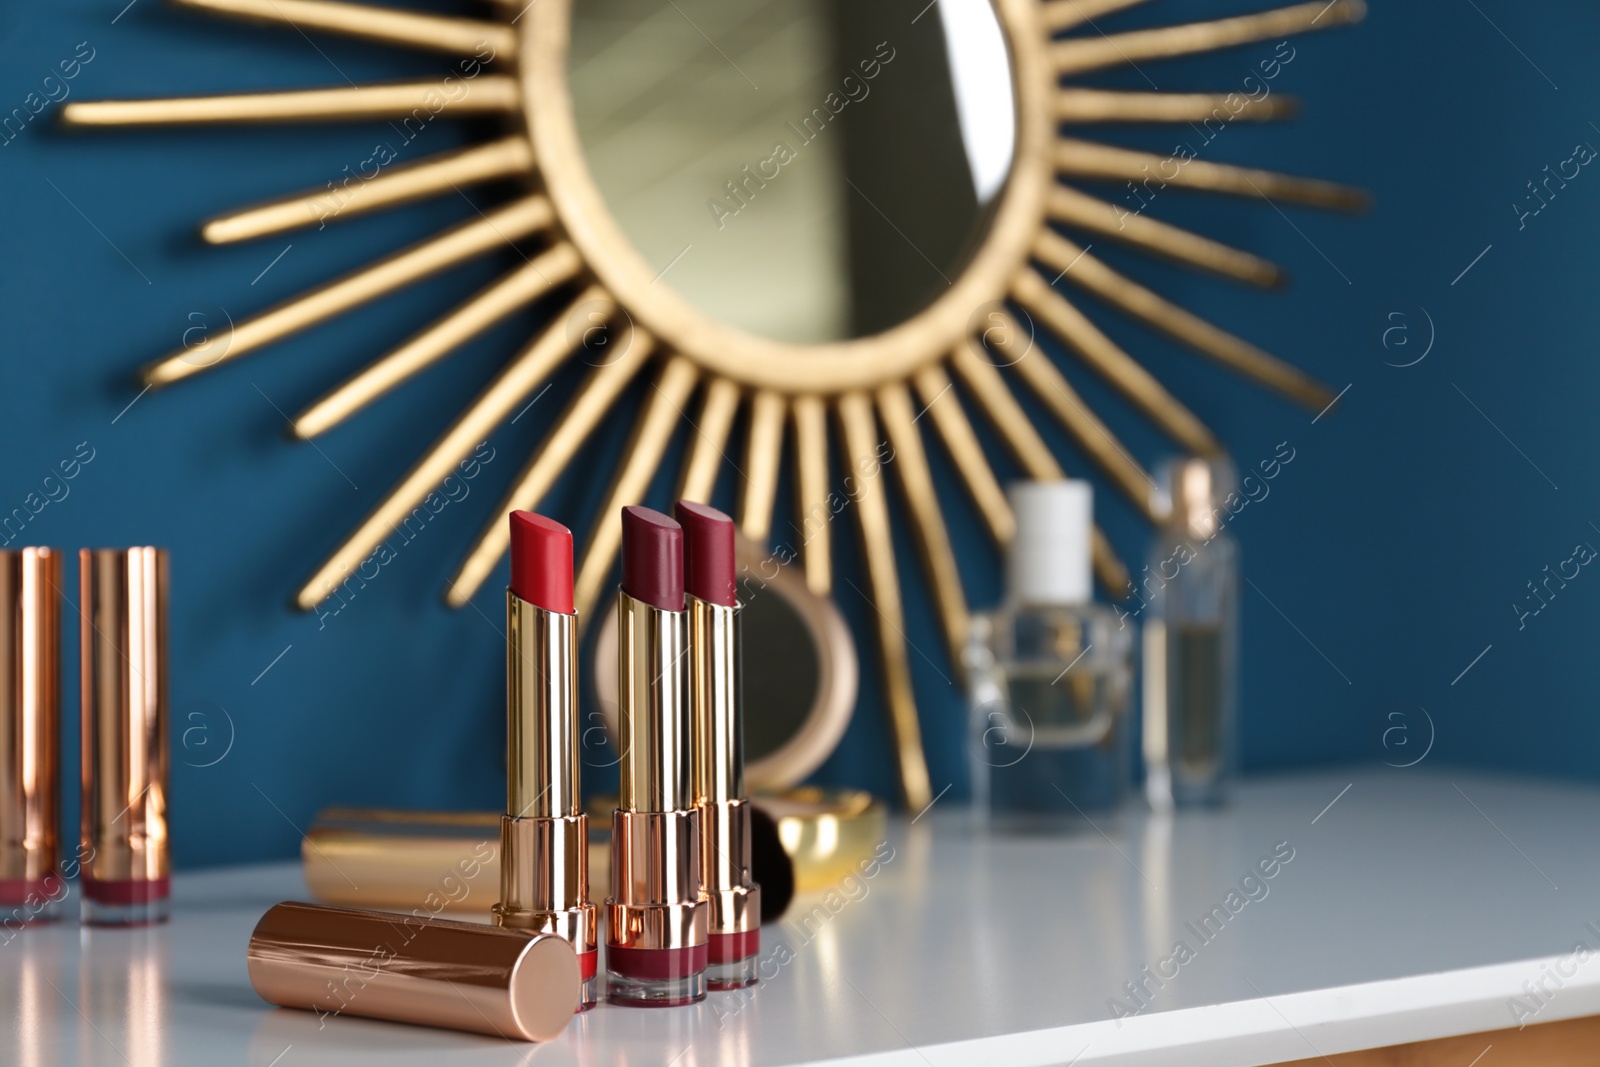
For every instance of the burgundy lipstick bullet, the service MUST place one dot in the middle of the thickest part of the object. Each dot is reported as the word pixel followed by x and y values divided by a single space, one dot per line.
pixel 715 701
pixel 656 932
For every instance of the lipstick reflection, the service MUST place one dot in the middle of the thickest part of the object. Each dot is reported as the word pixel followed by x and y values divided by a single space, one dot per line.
pixel 26 981
pixel 122 995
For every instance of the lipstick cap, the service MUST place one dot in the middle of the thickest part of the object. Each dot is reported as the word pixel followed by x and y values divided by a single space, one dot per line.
pixel 124 697
pixel 30 709
pixel 405 968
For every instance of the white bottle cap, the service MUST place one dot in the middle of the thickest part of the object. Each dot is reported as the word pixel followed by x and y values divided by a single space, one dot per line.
pixel 1049 562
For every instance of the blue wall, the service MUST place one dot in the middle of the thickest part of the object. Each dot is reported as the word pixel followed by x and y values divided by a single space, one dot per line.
pixel 1392 548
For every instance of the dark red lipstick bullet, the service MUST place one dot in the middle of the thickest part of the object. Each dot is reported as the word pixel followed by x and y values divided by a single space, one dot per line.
pixel 652 558
pixel 656 950
pixel 716 709
pixel 708 567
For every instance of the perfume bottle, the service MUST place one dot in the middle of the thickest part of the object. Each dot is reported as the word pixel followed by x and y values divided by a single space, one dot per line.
pixel 1191 641
pixel 1049 675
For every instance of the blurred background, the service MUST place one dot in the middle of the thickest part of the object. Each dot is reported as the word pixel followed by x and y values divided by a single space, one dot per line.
pixel 1390 567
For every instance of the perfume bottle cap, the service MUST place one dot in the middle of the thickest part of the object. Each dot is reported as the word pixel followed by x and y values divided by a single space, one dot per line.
pixel 1050 557
pixel 1192 493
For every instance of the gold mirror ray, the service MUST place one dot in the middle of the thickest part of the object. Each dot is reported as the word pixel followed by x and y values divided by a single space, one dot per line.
pixel 1070 14
pixel 1093 215
pixel 490 94
pixel 1086 54
pixel 815 502
pixel 1088 159
pixel 706 448
pixel 1083 106
pixel 380 25
pixel 763 456
pixel 403 184
pixel 861 442
pixel 941 404
pixel 927 520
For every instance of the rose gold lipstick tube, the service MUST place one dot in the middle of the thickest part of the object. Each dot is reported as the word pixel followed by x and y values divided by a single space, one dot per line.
pixel 544 835
pixel 404 968
pixel 30 710
pixel 124 696
pixel 735 900
pixel 656 944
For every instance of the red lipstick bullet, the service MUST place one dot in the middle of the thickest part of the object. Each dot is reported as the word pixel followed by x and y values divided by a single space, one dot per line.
pixel 715 701
pixel 541 562
pixel 656 938
pixel 544 835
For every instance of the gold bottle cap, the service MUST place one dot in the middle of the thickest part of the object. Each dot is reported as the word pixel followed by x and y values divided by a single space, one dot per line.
pixel 412 969
pixel 1192 494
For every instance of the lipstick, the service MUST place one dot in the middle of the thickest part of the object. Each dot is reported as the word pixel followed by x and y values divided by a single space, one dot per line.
pixel 718 747
pixel 30 706
pixel 544 834
pixel 123 648
pixel 656 939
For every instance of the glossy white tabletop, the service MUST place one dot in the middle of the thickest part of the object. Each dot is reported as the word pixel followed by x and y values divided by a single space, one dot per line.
pixel 1415 905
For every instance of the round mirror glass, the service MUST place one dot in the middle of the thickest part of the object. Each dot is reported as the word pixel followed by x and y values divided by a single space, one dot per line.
pixel 806 170
pixel 782 670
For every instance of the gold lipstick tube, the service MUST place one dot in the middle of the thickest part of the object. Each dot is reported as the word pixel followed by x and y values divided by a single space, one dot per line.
pixel 31 885
pixel 544 835
pixel 404 968
pixel 124 738
pixel 657 912
pixel 734 920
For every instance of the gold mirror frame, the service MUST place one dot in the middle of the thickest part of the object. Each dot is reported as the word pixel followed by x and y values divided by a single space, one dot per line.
pixel 750 360
pixel 874 386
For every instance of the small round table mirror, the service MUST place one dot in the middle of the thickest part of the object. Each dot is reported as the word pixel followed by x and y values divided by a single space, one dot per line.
pixel 799 672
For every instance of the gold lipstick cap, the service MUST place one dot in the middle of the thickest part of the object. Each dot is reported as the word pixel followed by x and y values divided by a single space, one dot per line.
pixel 30 714
pixel 124 696
pixel 406 968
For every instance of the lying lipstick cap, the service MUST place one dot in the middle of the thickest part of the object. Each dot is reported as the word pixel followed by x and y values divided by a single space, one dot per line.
pixel 405 968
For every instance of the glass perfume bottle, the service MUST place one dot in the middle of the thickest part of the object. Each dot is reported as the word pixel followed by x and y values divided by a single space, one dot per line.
pixel 1191 643
pixel 1049 676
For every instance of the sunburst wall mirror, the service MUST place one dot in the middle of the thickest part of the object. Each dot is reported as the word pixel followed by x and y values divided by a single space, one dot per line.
pixel 785 213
